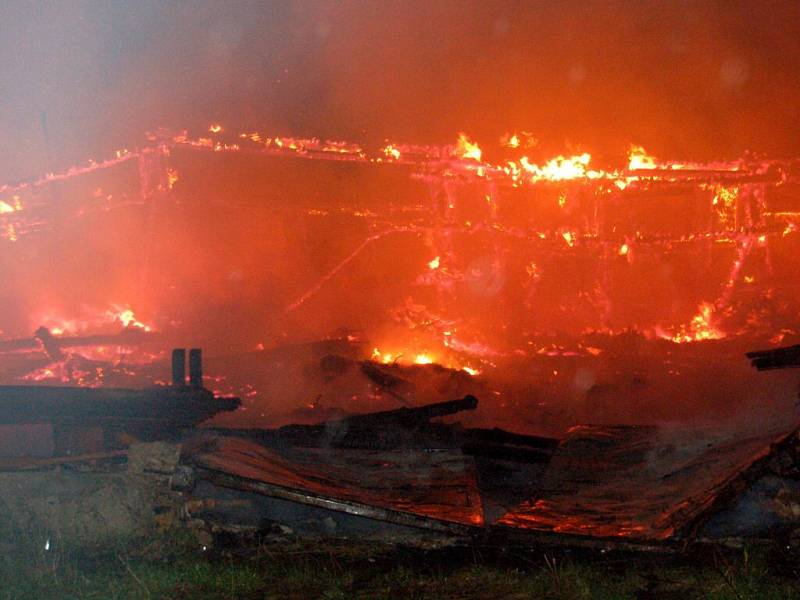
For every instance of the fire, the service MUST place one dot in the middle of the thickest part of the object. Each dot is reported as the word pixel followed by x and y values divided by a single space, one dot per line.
pixel 511 142
pixel 128 319
pixel 116 315
pixel 560 168
pixel 215 128
pixel 9 232
pixel 434 264
pixel 423 357
pixel 172 178
pixel 700 328
pixel 623 250
pixel 391 151
pixel 638 158
pixel 467 149
pixel 383 357
pixel 518 140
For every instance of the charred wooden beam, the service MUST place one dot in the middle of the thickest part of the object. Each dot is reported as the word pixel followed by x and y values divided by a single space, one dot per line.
pixel 501 437
pixel 404 427
pixel 129 337
pixel 408 417
pixel 407 428
pixel 49 404
pixel 28 463
pixel 381 375
pixel 368 511
pixel 519 454
pixel 787 357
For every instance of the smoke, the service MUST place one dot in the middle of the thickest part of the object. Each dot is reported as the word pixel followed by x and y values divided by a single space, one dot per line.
pixel 82 78
pixel 698 80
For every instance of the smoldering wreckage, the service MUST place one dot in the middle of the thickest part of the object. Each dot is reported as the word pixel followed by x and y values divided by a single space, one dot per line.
pixel 96 461
pixel 105 464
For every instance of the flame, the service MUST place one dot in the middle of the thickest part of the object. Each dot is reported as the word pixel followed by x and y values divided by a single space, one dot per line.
pixel 471 371
pixel 9 232
pixel 700 328
pixel 467 149
pixel 172 177
pixel 434 264
pixel 511 142
pixel 516 140
pixel 128 319
pixel 115 315
pixel 560 168
pixel 423 359
pixel 383 357
pixel 623 250
pixel 638 158
pixel 391 151
pixel 215 128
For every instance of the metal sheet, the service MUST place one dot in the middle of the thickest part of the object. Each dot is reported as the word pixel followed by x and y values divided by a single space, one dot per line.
pixel 438 485
pixel 640 482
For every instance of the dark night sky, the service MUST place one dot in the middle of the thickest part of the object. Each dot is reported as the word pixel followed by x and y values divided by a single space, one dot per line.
pixel 686 79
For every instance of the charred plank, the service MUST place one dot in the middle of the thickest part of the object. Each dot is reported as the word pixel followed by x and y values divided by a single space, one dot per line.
pixel 787 357
pixel 52 404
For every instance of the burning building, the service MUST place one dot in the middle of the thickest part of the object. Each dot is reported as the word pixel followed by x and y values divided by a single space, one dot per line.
pixel 581 295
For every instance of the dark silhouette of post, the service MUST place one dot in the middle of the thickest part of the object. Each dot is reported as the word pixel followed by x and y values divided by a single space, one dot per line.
pixel 179 366
pixel 196 368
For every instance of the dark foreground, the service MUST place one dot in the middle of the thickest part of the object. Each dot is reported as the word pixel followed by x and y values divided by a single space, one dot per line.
pixel 180 568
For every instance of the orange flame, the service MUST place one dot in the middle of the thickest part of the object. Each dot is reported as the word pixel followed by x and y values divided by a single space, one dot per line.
pixel 700 328
pixel 467 149
pixel 638 158
pixel 391 151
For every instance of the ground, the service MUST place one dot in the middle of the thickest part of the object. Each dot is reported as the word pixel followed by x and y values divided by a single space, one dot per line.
pixel 179 568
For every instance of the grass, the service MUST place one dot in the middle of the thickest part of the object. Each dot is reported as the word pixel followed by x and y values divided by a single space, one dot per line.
pixel 178 568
